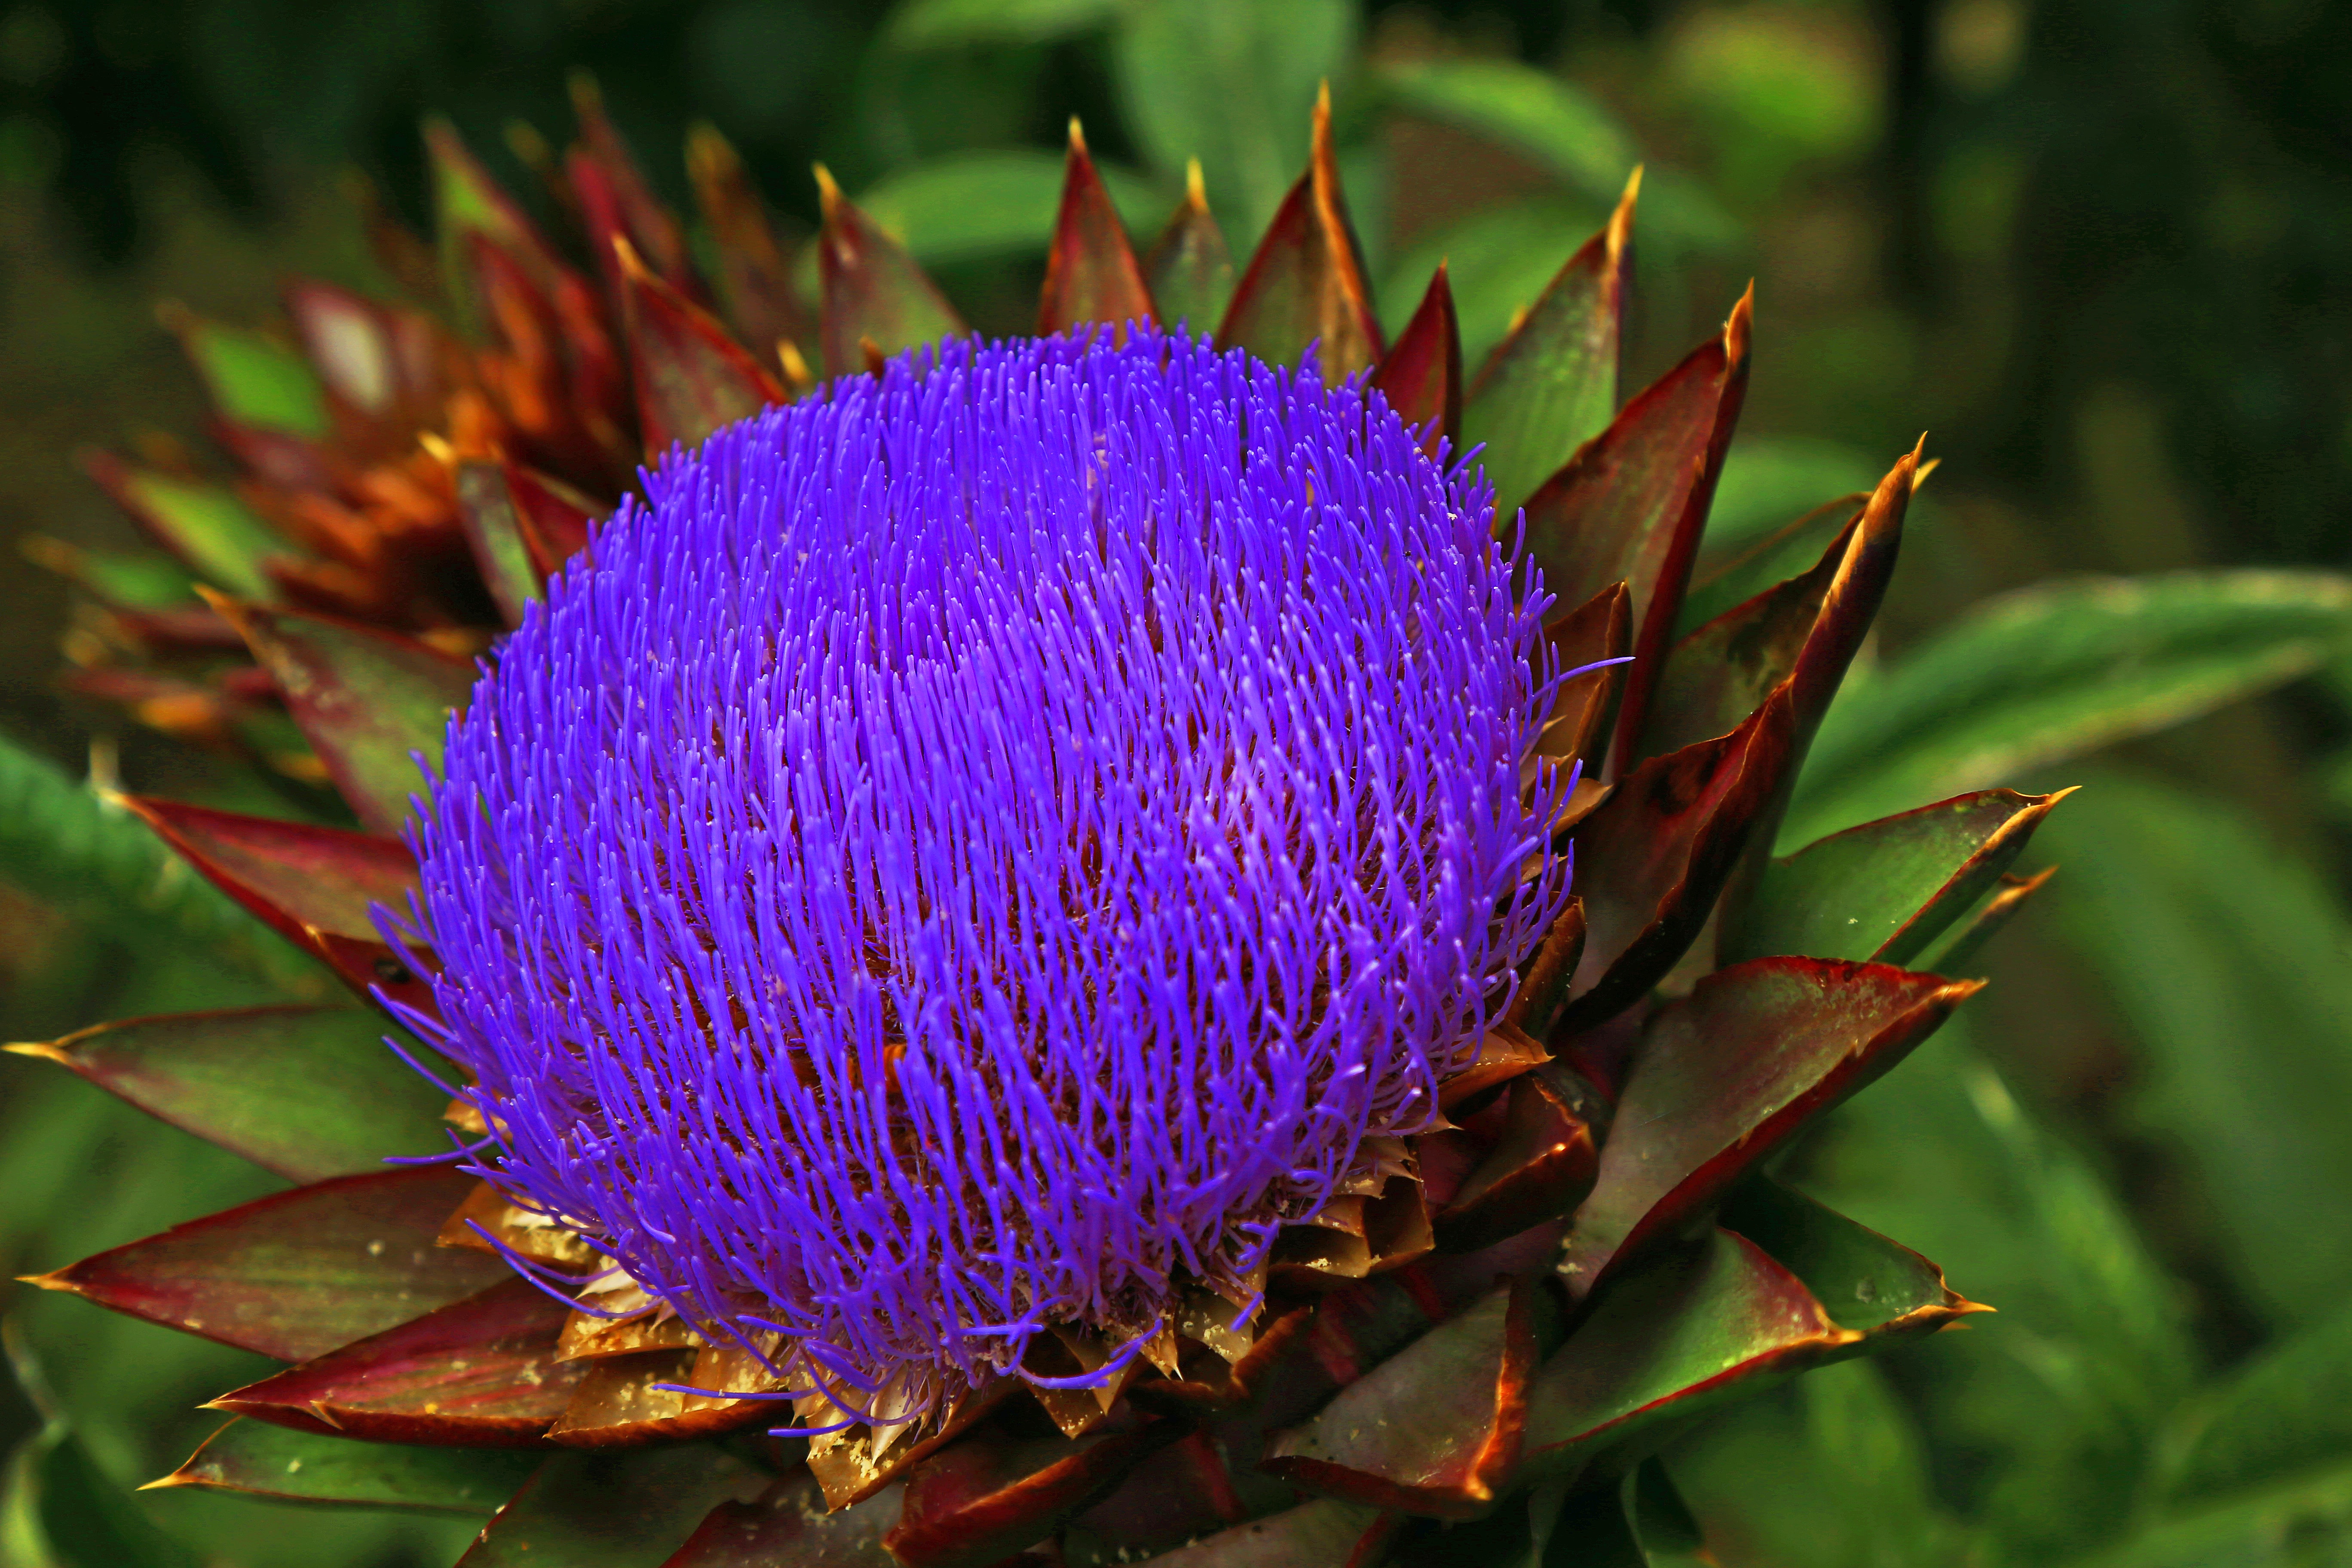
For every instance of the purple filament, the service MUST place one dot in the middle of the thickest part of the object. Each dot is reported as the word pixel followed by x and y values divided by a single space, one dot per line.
pixel 978 851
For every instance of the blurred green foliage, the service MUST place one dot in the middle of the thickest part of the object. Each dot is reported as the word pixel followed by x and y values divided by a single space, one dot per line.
pixel 2099 246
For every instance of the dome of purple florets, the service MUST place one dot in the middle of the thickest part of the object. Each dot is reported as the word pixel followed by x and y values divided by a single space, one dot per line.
pixel 981 850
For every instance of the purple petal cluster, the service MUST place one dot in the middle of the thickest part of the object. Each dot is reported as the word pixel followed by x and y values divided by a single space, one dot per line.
pixel 983 851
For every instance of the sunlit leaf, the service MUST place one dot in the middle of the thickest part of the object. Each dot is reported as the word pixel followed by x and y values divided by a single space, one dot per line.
pixel 210 531
pixel 59 1509
pixel 252 380
pixel 2286 1413
pixel 1830 1472
pixel 2050 672
pixel 2230 960
pixel 2059 1394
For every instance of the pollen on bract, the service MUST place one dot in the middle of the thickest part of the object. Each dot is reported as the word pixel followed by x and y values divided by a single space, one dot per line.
pixel 972 857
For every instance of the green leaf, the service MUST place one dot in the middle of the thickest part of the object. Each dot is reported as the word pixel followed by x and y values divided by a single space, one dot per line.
pixel 2288 1414
pixel 934 23
pixel 1828 1473
pixel 1092 273
pixel 1190 269
pixel 1661 1519
pixel 691 375
pixel 253 381
pixel 2230 961
pixel 2049 673
pixel 307 1092
pixel 87 859
pixel 58 1509
pixel 1232 83
pixel 128 580
pixel 2300 1524
pixel 1716 676
pixel 629 1510
pixel 2055 1399
pixel 1887 888
pixel 466 202
pixel 214 534
pixel 1525 110
pixel 1769 480
pixel 1958 950
pixel 262 1460
pixel 82 1169
pixel 969 206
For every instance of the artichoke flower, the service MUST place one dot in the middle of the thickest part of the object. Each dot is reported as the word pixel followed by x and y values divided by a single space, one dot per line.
pixel 1128 945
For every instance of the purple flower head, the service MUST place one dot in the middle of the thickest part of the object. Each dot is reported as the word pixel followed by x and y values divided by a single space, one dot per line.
pixel 982 851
